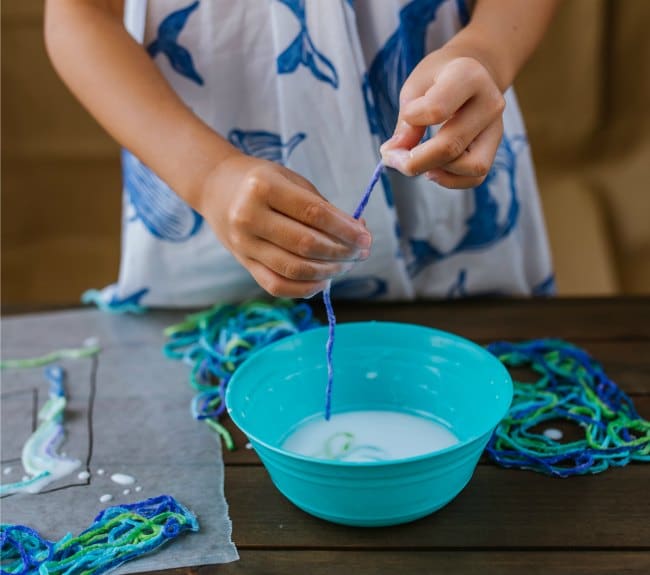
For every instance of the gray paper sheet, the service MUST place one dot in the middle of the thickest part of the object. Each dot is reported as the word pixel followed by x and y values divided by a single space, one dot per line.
pixel 128 412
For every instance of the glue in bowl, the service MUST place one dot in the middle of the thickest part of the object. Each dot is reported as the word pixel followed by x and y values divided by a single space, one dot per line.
pixel 378 366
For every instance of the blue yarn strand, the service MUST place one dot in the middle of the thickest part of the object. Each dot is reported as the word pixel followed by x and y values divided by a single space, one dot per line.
pixel 327 299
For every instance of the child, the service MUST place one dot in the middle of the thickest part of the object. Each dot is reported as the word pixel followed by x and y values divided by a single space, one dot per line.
pixel 265 118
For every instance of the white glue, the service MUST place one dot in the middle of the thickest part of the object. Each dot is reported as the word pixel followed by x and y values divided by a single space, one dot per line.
pixel 122 479
pixel 369 436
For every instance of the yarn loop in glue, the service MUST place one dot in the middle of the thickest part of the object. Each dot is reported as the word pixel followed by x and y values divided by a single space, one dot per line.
pixel 573 387
pixel 215 342
pixel 118 534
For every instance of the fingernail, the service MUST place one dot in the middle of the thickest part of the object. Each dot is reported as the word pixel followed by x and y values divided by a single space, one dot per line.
pixel 364 240
pixel 397 159
pixel 433 176
pixel 363 255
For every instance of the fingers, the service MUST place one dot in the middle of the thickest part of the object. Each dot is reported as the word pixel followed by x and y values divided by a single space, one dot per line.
pixel 304 241
pixel 453 139
pixel 464 98
pixel 461 80
pixel 313 211
pixel 406 136
pixel 293 267
pixel 477 159
pixel 279 286
pixel 469 170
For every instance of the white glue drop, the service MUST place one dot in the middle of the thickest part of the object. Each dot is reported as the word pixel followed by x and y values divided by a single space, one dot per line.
pixel 371 375
pixel 83 475
pixel 122 479
pixel 369 436
pixel 7 470
pixel 126 491
pixel 554 434
pixel 91 342
pixel 249 446
pixel 100 472
pixel 138 488
pixel 105 498
pixel 25 478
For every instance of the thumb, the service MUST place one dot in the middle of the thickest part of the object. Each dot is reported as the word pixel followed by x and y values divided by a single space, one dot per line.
pixel 395 150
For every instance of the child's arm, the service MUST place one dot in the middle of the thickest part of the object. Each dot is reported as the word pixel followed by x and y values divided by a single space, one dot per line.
pixel 272 220
pixel 460 86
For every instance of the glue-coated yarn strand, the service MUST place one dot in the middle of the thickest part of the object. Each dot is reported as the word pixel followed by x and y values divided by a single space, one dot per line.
pixel 327 299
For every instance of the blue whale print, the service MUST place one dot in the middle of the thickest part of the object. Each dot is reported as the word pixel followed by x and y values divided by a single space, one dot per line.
pixel 163 213
pixel 459 288
pixel 303 52
pixel 167 43
pixel 394 62
pixel 483 227
pixel 265 145
pixel 546 287
pixel 359 288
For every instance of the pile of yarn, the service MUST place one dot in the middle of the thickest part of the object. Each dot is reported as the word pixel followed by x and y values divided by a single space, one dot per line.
pixel 118 534
pixel 571 387
pixel 215 342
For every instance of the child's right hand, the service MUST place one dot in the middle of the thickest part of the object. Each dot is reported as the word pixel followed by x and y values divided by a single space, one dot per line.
pixel 279 227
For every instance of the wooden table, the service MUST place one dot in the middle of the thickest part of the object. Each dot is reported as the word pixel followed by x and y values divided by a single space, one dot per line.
pixel 505 521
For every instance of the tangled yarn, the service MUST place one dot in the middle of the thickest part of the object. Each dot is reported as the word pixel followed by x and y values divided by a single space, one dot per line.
pixel 118 534
pixel 572 387
pixel 215 342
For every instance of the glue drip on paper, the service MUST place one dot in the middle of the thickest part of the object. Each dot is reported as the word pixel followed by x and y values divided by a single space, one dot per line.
pixel 327 300
pixel 574 388
pixel 118 534
pixel 215 342
pixel 40 458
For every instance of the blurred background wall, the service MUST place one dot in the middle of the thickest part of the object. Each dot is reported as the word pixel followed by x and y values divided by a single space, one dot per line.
pixel 585 97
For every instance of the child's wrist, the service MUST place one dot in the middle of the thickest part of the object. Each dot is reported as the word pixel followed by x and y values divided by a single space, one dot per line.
pixel 474 43
pixel 209 159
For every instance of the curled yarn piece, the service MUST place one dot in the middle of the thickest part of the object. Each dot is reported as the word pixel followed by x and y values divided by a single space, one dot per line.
pixel 342 445
pixel 215 342
pixel 572 387
pixel 118 534
pixel 39 457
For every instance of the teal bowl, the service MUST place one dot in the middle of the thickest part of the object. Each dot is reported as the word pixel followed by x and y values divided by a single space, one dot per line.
pixel 377 366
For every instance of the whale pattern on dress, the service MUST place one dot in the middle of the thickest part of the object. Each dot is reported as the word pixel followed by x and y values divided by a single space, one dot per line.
pixel 155 204
pixel 303 52
pixel 166 43
pixel 483 227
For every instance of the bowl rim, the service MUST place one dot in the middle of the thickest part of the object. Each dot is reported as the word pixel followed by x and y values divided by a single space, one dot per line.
pixel 383 463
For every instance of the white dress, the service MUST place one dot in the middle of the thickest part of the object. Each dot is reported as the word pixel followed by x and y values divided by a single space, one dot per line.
pixel 314 85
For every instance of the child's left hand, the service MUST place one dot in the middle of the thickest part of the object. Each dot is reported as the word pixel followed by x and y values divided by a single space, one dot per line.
pixel 460 93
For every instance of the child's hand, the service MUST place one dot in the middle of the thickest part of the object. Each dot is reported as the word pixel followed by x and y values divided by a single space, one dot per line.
pixel 279 227
pixel 461 94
